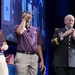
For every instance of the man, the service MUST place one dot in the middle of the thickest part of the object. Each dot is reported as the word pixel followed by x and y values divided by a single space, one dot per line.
pixel 29 45
pixel 3 47
pixel 64 42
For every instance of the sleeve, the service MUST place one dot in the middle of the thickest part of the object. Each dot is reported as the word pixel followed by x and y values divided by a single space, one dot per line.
pixel 40 40
pixel 56 40
pixel 15 28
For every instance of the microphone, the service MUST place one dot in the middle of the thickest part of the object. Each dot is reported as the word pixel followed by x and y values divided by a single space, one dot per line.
pixel 27 28
pixel 71 25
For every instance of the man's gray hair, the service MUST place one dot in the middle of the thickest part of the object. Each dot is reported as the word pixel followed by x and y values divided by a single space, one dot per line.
pixel 69 15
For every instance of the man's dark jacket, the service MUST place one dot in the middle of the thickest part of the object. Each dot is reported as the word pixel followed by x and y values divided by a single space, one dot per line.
pixel 61 47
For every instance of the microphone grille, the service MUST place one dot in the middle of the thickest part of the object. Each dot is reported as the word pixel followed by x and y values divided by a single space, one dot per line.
pixel 71 26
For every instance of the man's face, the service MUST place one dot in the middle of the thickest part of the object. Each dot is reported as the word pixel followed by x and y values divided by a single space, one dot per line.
pixel 69 21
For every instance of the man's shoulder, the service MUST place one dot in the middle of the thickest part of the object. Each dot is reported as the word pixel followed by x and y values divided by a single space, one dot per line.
pixel 1 31
pixel 58 29
pixel 16 26
pixel 35 28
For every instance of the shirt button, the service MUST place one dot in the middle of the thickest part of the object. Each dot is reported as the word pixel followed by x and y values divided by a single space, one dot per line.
pixel 68 43
pixel 68 47
pixel 69 40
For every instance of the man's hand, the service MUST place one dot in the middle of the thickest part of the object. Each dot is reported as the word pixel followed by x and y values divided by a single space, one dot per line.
pixel 42 65
pixel 4 47
pixel 68 32
pixel 27 17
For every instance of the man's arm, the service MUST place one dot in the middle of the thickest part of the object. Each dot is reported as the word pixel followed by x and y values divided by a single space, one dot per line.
pixel 21 27
pixel 41 57
pixel 55 41
pixel 4 46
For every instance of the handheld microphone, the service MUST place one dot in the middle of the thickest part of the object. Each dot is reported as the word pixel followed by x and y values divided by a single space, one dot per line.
pixel 71 25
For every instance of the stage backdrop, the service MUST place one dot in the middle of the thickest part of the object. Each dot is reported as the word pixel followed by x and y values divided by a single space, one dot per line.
pixel 11 11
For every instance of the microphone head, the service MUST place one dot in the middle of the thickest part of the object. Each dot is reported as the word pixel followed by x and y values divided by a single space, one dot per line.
pixel 71 25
